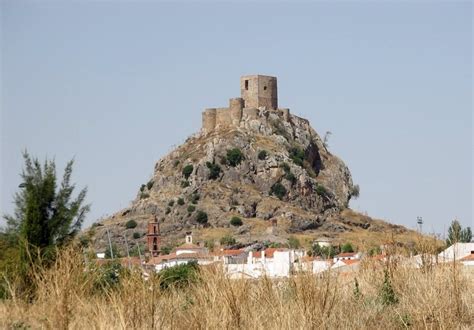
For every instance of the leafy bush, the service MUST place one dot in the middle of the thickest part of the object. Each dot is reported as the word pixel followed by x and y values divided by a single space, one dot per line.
pixel 290 177
pixel 347 247
pixel 234 157
pixel 355 192
pixel 297 155
pixel 191 208
pixel 136 235
pixel 144 195
pixel 114 252
pixel 142 187
pixel 325 252
pixel 236 221
pixel 227 240
pixel 321 190
pixel 176 163
pixel 171 203
pixel 187 170
pixel 293 242
pixel 387 294
pixel 214 170
pixel 180 201
pixel 108 276
pixel 166 249
pixel 168 210
pixel 201 217
pixel 278 190
pixel 150 183
pixel 130 224
pixel 179 276
pixel 194 198
pixel 184 184
pixel 262 155
pixel 285 167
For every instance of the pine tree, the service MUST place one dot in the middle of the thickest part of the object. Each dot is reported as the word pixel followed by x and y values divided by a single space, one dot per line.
pixel 457 234
pixel 45 217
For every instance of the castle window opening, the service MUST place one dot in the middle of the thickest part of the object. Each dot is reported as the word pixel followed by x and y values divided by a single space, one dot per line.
pixel 264 88
pixel 246 85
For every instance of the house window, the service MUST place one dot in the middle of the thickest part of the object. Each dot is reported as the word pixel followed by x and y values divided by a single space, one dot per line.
pixel 246 85
pixel 264 88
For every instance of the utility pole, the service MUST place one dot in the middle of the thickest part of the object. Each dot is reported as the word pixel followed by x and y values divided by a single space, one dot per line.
pixel 110 244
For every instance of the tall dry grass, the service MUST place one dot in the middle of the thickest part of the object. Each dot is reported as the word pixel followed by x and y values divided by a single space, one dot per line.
pixel 67 298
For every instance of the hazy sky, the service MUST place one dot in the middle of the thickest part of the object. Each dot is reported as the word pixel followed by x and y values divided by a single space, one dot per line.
pixel 117 85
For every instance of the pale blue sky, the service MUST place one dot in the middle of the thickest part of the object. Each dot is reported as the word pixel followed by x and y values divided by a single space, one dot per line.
pixel 118 84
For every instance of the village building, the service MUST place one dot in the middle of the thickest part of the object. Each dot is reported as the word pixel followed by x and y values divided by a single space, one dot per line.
pixel 346 256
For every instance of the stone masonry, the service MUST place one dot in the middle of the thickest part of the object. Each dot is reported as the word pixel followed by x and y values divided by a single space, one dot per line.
pixel 258 93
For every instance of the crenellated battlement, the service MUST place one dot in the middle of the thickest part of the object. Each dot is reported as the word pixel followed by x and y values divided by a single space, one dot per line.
pixel 258 93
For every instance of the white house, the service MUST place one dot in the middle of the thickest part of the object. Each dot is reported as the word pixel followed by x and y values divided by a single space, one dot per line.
pixel 458 251
pixel 347 256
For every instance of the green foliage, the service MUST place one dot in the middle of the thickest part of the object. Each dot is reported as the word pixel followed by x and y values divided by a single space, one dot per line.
pixel 387 294
pixel 325 252
pixel 187 170
pixel 171 203
pixel 180 201
pixel 262 155
pixel 347 247
pixel 45 216
pixel 374 251
pixel 201 217
pixel 290 177
pixel 179 276
pixel 227 240
pixel 184 184
pixel 144 195
pixel 166 249
pixel 321 190
pixel 191 208
pixel 108 276
pixel 457 234
pixel 167 211
pixel 130 224
pixel 278 190
pixel 214 170
pixel 136 235
pixel 234 157
pixel 176 163
pixel 150 184
pixel 142 187
pixel 286 168
pixel 236 221
pixel 112 254
pixel 355 191
pixel 293 242
pixel 297 155
pixel 194 198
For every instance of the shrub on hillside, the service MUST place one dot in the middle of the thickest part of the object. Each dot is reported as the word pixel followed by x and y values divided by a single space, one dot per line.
pixel 321 190
pixel 194 198
pixel 201 217
pixel 297 155
pixel 236 221
pixel 130 224
pixel 262 155
pixel 136 235
pixel 187 170
pixel 150 183
pixel 180 201
pixel 191 208
pixel 184 184
pixel 171 203
pixel 214 170
pixel 278 190
pixel 234 157
pixel 347 247
pixel 228 240
pixel 293 242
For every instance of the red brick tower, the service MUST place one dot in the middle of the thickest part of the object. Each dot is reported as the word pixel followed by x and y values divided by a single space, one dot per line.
pixel 153 237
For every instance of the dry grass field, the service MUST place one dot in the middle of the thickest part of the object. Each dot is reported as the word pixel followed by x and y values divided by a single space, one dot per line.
pixel 436 297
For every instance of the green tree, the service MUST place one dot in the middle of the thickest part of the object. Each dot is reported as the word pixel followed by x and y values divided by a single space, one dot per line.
pixel 457 234
pixel 214 170
pixel 130 224
pixel 297 156
pixel 262 155
pixel 112 253
pixel 236 221
pixel 187 170
pixel 227 240
pixel 347 247
pixel 234 157
pixel 46 216
pixel 278 190
pixel 293 242
pixel 179 276
pixel 201 217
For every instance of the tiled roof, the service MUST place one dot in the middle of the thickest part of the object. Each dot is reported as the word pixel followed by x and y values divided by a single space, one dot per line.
pixel 268 252
pixel 469 257
pixel 350 262
pixel 228 253
pixel 346 254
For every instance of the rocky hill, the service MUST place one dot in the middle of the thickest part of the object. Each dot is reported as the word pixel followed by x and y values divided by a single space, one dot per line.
pixel 270 169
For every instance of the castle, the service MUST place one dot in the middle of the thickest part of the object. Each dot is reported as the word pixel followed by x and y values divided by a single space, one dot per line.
pixel 258 93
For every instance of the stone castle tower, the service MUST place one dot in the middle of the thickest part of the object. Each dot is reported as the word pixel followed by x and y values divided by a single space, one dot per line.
pixel 257 93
